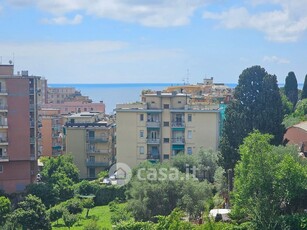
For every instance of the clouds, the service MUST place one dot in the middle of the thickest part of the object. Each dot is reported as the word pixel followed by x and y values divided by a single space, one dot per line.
pixel 158 13
pixel 64 20
pixel 275 59
pixel 285 22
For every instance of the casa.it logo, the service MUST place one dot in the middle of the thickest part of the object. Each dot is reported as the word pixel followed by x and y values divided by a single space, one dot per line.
pixel 120 174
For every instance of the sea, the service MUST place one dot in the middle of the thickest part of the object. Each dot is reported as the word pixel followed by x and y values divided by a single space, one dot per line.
pixel 112 94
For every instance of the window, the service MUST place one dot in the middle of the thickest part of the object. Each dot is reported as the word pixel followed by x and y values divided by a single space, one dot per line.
pixel 141 133
pixel 141 117
pixel 165 123
pixel 1 168
pixel 189 117
pixel 92 173
pixel 92 158
pixel 165 140
pixel 166 106
pixel 189 134
pixel 166 156
pixel 189 150
pixel 141 149
pixel 179 102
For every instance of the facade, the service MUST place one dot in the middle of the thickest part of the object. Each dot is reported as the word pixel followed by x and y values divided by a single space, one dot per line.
pixel 19 129
pixel 163 125
pixel 77 107
pixel 51 132
pixel 90 140
pixel 59 95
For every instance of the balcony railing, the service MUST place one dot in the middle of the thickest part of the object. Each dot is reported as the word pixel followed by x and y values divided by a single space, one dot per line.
pixel 153 141
pixel 178 140
pixel 3 90
pixel 176 124
pixel 4 158
pixel 153 124
pixel 3 107
pixel 97 139
pixel 90 163
pixel 3 124
pixel 3 141
pixel 99 151
pixel 32 157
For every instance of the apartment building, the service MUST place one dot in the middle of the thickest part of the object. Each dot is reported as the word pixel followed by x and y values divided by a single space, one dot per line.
pixel 19 128
pixel 163 125
pixel 59 95
pixel 89 137
pixel 72 107
pixel 51 132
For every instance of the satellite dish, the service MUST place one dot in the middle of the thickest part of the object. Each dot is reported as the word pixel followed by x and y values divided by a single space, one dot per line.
pixel 10 61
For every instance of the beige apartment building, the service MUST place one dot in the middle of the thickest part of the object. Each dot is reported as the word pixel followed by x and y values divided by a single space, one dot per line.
pixel 89 137
pixel 163 125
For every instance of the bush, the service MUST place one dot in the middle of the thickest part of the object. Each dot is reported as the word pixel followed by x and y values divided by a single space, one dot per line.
pixel 92 225
pixel 131 225
pixel 73 206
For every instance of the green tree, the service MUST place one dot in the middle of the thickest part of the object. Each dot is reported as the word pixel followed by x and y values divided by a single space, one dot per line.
pixel 5 208
pixel 304 91
pixel 55 213
pixel 48 194
pixel 291 89
pixel 269 182
pixel 61 174
pixel 154 193
pixel 287 106
pixel 31 214
pixel 257 105
pixel 69 219
pixel 88 203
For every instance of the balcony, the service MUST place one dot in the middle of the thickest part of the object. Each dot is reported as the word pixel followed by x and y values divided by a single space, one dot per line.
pixel 3 124
pixel 178 140
pixel 153 158
pixel 153 141
pixel 98 139
pixel 153 124
pixel 3 108
pixel 4 158
pixel 4 141
pixel 90 163
pixel 178 124
pixel 99 151
pixel 3 91
pixel 32 157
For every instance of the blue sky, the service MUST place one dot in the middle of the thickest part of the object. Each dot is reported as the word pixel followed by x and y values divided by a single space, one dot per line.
pixel 119 41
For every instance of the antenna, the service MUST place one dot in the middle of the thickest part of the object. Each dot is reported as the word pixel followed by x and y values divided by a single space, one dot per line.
pixel 188 76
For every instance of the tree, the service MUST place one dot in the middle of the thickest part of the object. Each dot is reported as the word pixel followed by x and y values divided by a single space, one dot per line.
pixel 257 105
pixel 31 214
pixel 69 219
pixel 88 203
pixel 55 213
pixel 61 174
pixel 269 182
pixel 304 91
pixel 291 89
pixel 48 194
pixel 5 208
pixel 151 196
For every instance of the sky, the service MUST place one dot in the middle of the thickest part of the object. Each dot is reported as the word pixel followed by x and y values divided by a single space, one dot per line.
pixel 153 41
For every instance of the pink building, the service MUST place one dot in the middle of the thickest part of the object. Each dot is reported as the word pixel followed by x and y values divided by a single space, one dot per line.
pixel 51 131
pixel 19 129
pixel 77 107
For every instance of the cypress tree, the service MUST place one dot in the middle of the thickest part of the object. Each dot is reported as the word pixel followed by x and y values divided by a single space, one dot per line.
pixel 291 90
pixel 304 91
pixel 257 105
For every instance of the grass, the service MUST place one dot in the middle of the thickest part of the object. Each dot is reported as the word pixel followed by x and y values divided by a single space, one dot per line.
pixel 101 214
